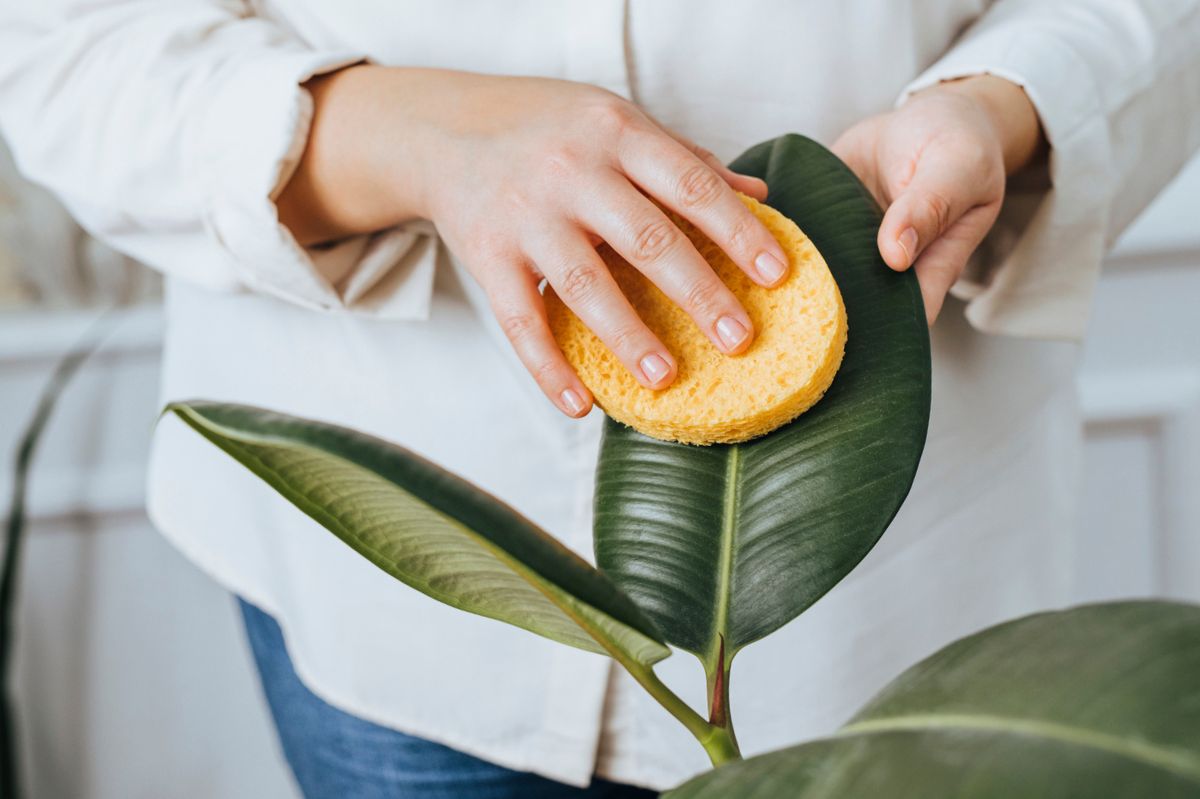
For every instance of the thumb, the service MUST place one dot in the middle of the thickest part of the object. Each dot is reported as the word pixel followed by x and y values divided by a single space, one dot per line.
pixel 923 210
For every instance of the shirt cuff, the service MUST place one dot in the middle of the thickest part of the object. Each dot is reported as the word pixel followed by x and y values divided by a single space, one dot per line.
pixel 254 136
pixel 1035 274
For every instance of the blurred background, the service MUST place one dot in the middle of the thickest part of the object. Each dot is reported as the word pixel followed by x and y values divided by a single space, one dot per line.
pixel 133 679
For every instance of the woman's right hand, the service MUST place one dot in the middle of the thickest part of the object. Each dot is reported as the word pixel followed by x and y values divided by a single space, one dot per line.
pixel 523 177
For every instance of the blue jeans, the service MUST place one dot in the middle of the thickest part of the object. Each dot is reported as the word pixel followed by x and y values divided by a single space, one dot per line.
pixel 335 755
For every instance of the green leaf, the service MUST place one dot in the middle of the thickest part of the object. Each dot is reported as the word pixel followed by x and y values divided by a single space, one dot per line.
pixel 430 529
pixel 723 545
pixel 1098 701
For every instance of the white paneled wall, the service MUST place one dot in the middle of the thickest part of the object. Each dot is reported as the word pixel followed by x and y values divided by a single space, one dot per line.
pixel 132 676
pixel 1140 390
pixel 134 679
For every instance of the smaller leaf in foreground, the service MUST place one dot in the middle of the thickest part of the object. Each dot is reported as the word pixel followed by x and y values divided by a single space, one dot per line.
pixel 430 529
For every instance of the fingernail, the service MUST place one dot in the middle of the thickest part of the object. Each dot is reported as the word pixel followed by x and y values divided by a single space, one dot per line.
pixel 654 368
pixel 908 243
pixel 770 268
pixel 571 399
pixel 731 332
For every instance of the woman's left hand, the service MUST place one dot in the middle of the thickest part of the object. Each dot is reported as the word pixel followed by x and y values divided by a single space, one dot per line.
pixel 938 165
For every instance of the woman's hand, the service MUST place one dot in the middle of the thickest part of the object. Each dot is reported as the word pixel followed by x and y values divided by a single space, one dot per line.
pixel 938 166
pixel 523 177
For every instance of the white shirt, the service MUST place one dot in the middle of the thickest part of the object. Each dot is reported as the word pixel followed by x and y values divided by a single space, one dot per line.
pixel 167 128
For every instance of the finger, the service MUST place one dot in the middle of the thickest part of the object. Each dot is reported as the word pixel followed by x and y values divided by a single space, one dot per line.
pixel 679 180
pixel 582 280
pixel 747 184
pixel 942 262
pixel 521 312
pixel 644 236
pixel 936 197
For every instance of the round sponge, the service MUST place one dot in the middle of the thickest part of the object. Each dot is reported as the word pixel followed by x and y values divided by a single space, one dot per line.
pixel 800 336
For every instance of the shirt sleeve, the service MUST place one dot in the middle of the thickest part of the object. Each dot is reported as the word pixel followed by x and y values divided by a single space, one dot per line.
pixel 1117 86
pixel 168 127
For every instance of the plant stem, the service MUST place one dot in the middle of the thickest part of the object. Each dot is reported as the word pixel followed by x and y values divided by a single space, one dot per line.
pixel 681 710
pixel 721 746
pixel 719 716
pixel 718 742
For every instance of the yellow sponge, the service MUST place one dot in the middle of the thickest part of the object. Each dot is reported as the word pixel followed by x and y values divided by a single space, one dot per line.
pixel 800 336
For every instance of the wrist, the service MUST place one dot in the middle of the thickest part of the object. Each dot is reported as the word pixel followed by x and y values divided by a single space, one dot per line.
pixel 1010 113
pixel 361 169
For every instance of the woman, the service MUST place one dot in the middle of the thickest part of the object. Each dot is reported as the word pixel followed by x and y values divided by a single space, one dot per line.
pixel 356 239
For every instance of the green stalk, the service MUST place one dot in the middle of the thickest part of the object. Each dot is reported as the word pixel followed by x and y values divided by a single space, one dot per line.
pixel 721 746
pixel 718 742
pixel 720 719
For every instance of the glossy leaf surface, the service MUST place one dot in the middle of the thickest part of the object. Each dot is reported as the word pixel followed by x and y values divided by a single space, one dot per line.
pixel 1098 701
pixel 430 529
pixel 729 543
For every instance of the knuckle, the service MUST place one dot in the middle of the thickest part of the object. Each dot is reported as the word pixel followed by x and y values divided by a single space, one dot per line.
pixel 563 159
pixel 579 282
pixel 626 338
pixel 698 186
pixel 612 115
pixel 703 296
pixel 545 373
pixel 654 238
pixel 518 327
pixel 979 157
pixel 516 199
pixel 741 234
pixel 487 244
pixel 937 208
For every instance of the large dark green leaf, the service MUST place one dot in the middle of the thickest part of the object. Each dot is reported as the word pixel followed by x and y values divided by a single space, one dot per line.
pixel 723 545
pixel 1099 701
pixel 431 529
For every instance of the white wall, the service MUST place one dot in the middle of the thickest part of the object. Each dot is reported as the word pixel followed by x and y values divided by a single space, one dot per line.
pixel 133 681
pixel 132 677
pixel 1140 388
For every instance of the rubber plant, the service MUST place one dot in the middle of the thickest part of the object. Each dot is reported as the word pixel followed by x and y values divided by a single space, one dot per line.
pixel 708 549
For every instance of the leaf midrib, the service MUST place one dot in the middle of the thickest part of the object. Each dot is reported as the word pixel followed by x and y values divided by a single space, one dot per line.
pixel 1140 751
pixel 240 442
pixel 545 587
pixel 725 544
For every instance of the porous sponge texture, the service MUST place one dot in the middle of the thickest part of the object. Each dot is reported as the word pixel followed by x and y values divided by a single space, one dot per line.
pixel 800 338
